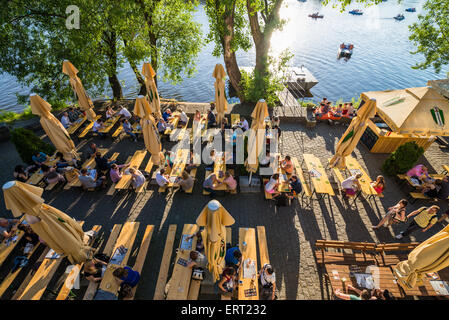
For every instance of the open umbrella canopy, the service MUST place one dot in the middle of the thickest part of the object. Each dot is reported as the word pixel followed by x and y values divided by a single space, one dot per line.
pixel 214 218
pixel 149 130
pixel 53 128
pixel 421 111
pixel 256 135
pixel 221 103
pixel 84 100
pixel 61 233
pixel 430 256
pixel 353 134
pixel 152 95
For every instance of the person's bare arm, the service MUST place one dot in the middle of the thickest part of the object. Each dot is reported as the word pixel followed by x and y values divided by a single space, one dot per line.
pixel 428 227
pixel 350 287
pixel 413 214
pixel 220 285
pixel 341 295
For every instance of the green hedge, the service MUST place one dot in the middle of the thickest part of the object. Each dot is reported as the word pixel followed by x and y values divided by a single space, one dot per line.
pixel 403 159
pixel 27 144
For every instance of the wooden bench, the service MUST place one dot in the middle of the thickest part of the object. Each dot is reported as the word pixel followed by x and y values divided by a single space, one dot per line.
pixel 92 287
pixel 181 276
pixel 117 132
pixel 305 187
pixel 89 163
pixel 420 196
pixel 366 257
pixel 76 125
pixel 74 273
pixel 36 286
pixel 141 256
pixel 88 127
pixel 393 257
pixel 126 239
pixel 165 263
pixel 445 169
pixel 111 190
pixel 7 247
pixel 263 248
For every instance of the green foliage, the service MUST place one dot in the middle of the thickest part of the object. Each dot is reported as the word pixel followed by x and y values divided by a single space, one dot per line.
pixel 27 144
pixel 10 116
pixel 431 35
pixel 256 87
pixel 403 159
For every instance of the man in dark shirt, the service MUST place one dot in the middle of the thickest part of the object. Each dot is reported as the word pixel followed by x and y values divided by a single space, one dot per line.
pixel 103 163
pixel 211 120
pixel 296 186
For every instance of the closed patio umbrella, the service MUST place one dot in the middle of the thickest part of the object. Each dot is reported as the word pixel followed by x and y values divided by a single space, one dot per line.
pixel 84 100
pixel 256 136
pixel 430 256
pixel 61 233
pixel 149 130
pixel 221 105
pixel 214 218
pixel 53 128
pixel 152 95
pixel 353 134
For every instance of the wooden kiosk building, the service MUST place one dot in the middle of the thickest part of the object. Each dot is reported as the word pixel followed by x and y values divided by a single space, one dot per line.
pixel 413 114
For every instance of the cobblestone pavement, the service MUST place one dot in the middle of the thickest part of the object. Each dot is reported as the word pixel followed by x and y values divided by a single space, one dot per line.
pixel 291 231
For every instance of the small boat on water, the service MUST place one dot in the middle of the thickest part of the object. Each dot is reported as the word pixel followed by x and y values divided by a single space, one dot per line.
pixel 410 9
pixel 399 17
pixel 316 15
pixel 302 0
pixel 356 12
pixel 345 50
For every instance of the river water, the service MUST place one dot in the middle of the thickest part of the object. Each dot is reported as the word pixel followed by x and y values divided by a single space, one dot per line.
pixel 381 58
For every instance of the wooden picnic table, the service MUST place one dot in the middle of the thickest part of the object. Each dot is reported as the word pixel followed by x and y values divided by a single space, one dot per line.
pixel 248 285
pixel 179 164
pixel 76 124
pixel 8 245
pixel 321 184
pixel 424 289
pixel 383 278
pixel 235 119
pixel 135 161
pixel 354 167
pixel 109 124
pixel 284 185
pixel 173 120
pixel 181 275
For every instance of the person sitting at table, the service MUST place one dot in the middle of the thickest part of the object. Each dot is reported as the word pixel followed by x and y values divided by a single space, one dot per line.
pixel 98 125
pixel 128 129
pixel 196 121
pixel 137 178
pixel 267 280
pixel 210 164
pixel 60 161
pixel 89 182
pixel 287 165
pixel 161 126
pixel 295 186
pixel 324 101
pixel 275 122
pixel 110 112
pixel 185 181
pixel 124 113
pixel 102 162
pixel 338 111
pixel 225 124
pixel 197 260
pixel 243 124
pixel 39 158
pixel 183 118
pixel 379 184
pixel 209 182
pixel 73 114
pixel 162 178
pixel 351 185
pixel 65 120
pixel 351 111
pixel 363 295
pixel 229 180
pixel 395 214
pixel 432 190
pixel 170 157
pixel 29 235
pixel 344 110
pixel 94 268
pixel 126 275
pixel 167 114
pixel 228 282
pixel 115 172
pixel 20 174
pixel 424 219
pixel 233 257
pixel 53 177
pixel 211 120
pixel 272 185
pixel 8 227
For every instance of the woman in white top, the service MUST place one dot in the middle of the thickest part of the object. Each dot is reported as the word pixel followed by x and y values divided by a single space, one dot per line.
pixel 351 185
pixel 183 119
pixel 196 121
pixel 109 112
pixel 124 112
pixel 138 178
pixel 272 185
pixel 268 282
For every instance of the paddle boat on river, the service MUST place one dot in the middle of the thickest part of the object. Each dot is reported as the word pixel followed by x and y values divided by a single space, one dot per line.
pixel 410 9
pixel 316 15
pixel 345 50
pixel 399 17
pixel 356 12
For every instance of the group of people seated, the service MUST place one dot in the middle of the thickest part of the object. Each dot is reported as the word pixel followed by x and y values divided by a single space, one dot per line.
pixel 364 294
pixel 426 184
pixel 228 284
pixel 292 182
pixel 351 185
pixel 325 111
pixel 71 116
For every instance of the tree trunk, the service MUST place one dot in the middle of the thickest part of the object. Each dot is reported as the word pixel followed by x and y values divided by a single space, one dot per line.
pixel 229 56
pixel 139 78
pixel 116 87
pixel 110 40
